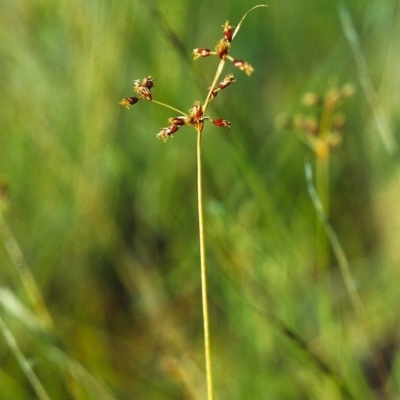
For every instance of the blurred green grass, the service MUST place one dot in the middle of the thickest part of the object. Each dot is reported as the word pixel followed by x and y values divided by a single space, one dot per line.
pixel 105 215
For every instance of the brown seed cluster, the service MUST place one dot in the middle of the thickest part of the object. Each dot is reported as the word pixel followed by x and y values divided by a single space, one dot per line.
pixel 222 85
pixel 142 88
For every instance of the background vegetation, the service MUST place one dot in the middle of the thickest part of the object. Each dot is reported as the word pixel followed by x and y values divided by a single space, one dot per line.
pixel 99 262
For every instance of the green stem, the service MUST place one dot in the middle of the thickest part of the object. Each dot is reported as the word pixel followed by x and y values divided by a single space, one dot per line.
pixel 322 185
pixel 218 73
pixel 210 394
pixel 170 107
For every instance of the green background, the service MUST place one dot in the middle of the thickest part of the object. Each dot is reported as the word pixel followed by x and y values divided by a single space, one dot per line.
pixel 104 215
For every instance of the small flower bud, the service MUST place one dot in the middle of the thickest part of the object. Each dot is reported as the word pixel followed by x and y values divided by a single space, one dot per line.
pixel 201 52
pixel 227 81
pixel 142 90
pixel 149 82
pixel 243 66
pixel 167 132
pixel 222 123
pixel 171 130
pixel 177 121
pixel 228 31
pixel 128 101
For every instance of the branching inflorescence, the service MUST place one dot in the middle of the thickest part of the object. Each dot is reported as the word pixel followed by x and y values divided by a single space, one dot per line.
pixel 196 116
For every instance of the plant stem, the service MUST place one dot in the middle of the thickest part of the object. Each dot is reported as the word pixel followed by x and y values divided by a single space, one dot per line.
pixel 322 185
pixel 210 394
pixel 168 106
pixel 218 72
pixel 203 267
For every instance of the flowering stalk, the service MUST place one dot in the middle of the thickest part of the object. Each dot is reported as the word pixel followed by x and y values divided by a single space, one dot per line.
pixel 322 130
pixel 196 118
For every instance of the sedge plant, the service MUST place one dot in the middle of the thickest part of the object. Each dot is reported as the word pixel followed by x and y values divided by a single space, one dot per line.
pixel 321 129
pixel 196 118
